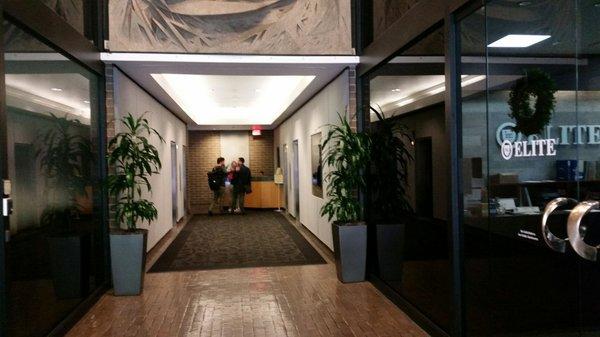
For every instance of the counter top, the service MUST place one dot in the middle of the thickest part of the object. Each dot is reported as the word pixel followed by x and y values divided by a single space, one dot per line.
pixel 262 178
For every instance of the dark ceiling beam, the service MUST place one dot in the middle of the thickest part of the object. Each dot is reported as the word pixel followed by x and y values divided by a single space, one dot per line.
pixel 424 15
pixel 51 28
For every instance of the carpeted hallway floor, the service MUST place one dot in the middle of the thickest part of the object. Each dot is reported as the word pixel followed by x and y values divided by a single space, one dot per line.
pixel 257 239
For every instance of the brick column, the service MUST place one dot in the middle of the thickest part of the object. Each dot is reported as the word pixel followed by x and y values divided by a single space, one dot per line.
pixel 204 147
pixel 110 127
pixel 352 107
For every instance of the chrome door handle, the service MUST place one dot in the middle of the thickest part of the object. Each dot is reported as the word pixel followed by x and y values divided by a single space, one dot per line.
pixel 553 241
pixel 577 233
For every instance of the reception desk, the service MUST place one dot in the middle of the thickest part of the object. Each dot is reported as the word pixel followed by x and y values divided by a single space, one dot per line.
pixel 264 194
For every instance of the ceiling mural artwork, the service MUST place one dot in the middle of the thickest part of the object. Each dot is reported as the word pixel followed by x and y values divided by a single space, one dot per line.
pixel 386 12
pixel 16 40
pixel 231 26
pixel 70 10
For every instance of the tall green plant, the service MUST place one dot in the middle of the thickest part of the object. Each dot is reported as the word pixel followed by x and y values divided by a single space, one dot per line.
pixel 346 153
pixel 388 179
pixel 64 156
pixel 134 160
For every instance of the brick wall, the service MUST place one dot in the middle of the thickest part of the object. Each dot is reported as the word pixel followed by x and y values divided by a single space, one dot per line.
pixel 261 154
pixel 110 128
pixel 352 107
pixel 204 147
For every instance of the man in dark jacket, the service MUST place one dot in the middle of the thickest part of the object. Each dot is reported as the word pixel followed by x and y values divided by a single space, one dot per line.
pixel 218 173
pixel 241 185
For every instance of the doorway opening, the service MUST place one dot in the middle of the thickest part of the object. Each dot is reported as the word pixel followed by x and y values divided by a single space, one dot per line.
pixel 296 173
pixel 286 180
pixel 174 182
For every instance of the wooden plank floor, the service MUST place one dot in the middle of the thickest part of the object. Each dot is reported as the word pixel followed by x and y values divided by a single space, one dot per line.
pixel 267 301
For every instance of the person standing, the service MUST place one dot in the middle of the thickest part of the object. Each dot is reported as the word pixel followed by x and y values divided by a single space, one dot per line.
pixel 216 182
pixel 231 178
pixel 231 171
pixel 241 185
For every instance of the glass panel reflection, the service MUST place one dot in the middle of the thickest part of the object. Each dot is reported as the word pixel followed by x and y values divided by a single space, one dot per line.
pixel 588 114
pixel 54 255
pixel 411 248
pixel 516 284
pixel 474 169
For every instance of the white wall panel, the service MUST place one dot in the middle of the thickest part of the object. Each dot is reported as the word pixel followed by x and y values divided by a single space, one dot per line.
pixel 235 144
pixel 130 98
pixel 323 109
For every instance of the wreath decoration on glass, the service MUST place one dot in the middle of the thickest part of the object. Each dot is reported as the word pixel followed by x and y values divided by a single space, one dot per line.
pixel 532 118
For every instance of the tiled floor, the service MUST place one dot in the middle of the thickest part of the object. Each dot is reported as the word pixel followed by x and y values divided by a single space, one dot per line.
pixel 267 301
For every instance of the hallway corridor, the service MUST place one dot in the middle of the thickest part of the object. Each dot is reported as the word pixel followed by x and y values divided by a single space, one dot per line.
pixel 303 300
pixel 258 239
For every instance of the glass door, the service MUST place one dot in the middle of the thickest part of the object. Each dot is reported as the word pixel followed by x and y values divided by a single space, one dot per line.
pixel 531 149
pixel 588 138
pixel 54 238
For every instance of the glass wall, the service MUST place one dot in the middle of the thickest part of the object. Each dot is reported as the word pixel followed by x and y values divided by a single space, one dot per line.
pixel 411 248
pixel 54 249
pixel 530 140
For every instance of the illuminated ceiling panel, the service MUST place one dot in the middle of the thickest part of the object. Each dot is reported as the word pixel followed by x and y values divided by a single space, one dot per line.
pixel 233 100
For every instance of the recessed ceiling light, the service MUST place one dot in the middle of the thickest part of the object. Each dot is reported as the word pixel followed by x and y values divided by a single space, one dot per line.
pixel 524 3
pixel 518 41
pixel 56 89
pixel 86 102
pixel 263 107
pixel 396 90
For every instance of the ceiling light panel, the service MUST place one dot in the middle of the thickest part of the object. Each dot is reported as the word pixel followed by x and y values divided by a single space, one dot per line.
pixel 53 92
pixel 518 41
pixel 233 100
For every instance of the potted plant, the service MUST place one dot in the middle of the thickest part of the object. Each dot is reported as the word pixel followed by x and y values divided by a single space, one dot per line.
pixel 346 153
pixel 389 206
pixel 64 155
pixel 133 160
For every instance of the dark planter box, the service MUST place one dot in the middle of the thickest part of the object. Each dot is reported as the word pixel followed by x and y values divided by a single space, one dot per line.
pixel 350 248
pixel 390 248
pixel 128 261
pixel 69 259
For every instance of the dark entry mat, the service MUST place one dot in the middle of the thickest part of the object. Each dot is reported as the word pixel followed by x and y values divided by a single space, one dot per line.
pixel 257 239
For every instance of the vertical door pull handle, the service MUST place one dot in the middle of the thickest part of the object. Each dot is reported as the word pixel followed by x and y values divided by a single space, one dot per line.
pixel 577 232
pixel 553 241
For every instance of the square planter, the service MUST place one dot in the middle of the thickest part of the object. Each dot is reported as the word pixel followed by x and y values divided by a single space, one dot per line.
pixel 128 261
pixel 350 249
pixel 69 260
pixel 390 250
